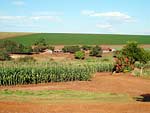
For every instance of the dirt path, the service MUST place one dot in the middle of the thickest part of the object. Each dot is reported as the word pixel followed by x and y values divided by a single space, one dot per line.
pixel 102 82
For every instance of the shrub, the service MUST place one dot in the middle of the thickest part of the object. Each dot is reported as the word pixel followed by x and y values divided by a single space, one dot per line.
pixel 41 42
pixel 126 58
pixel 51 48
pixel 71 49
pixel 14 47
pixel 79 55
pixel 135 53
pixel 86 47
pixel 39 48
pixel 4 55
pixel 96 51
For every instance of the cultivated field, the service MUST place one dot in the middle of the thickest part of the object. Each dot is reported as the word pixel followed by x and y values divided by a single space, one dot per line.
pixel 81 39
pixel 4 35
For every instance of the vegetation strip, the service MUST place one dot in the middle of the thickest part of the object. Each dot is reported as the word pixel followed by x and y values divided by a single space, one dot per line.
pixel 62 96
pixel 83 39
pixel 33 73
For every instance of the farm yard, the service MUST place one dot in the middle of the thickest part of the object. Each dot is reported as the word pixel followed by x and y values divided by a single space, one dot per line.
pixel 48 76
pixel 101 94
pixel 74 56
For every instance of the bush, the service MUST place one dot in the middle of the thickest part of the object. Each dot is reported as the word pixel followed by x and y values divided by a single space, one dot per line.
pixel 86 47
pixel 40 45
pixel 39 48
pixel 4 55
pixel 51 48
pixel 96 51
pixel 14 47
pixel 41 42
pixel 79 55
pixel 129 55
pixel 135 53
pixel 71 49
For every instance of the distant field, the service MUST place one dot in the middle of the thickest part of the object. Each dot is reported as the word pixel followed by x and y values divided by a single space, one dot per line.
pixel 4 35
pixel 88 39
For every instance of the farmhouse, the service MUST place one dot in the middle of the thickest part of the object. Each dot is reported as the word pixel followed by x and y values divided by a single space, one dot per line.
pixel 58 51
pixel 108 50
pixel 48 51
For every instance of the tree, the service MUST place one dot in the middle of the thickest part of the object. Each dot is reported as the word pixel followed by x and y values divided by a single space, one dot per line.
pixel 4 55
pixel 127 57
pixel 86 47
pixel 135 53
pixel 96 51
pixel 40 45
pixel 71 49
pixel 79 55
pixel 41 42
pixel 14 47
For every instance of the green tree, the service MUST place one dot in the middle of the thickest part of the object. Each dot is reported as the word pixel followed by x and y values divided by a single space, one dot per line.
pixel 96 51
pixel 79 55
pixel 14 47
pixel 86 47
pixel 41 42
pixel 71 49
pixel 127 57
pixel 4 55
pixel 135 53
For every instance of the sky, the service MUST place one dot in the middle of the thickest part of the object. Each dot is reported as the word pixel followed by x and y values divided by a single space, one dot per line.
pixel 76 16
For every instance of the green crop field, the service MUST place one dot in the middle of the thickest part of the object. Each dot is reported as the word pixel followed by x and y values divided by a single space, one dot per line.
pixel 88 39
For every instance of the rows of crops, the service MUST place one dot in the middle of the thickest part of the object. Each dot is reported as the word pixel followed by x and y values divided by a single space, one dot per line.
pixel 81 39
pixel 33 73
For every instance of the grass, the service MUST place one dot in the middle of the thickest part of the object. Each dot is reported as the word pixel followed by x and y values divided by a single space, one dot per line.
pixel 81 39
pixel 52 96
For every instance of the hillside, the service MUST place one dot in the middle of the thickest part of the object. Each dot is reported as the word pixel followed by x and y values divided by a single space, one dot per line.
pixel 4 35
pixel 73 39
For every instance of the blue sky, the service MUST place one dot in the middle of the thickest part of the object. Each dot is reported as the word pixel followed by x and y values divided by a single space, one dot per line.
pixel 76 16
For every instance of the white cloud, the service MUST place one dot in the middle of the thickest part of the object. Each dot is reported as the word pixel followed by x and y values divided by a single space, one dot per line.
pixel 18 3
pixel 31 18
pixel 118 16
pixel 7 18
pixel 44 13
pixel 87 12
pixel 104 26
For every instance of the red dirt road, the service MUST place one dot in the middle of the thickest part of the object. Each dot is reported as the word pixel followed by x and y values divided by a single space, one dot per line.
pixel 102 82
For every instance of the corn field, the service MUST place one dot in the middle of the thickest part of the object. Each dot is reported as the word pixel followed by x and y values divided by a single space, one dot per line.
pixel 12 73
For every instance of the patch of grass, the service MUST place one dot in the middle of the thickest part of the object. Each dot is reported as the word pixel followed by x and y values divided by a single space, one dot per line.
pixel 52 96
pixel 81 39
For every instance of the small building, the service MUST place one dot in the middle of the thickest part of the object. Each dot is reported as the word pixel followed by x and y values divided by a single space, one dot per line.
pixel 58 51
pixel 48 51
pixel 108 50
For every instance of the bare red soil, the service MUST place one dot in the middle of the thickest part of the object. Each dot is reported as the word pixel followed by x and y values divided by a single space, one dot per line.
pixel 13 107
pixel 101 82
